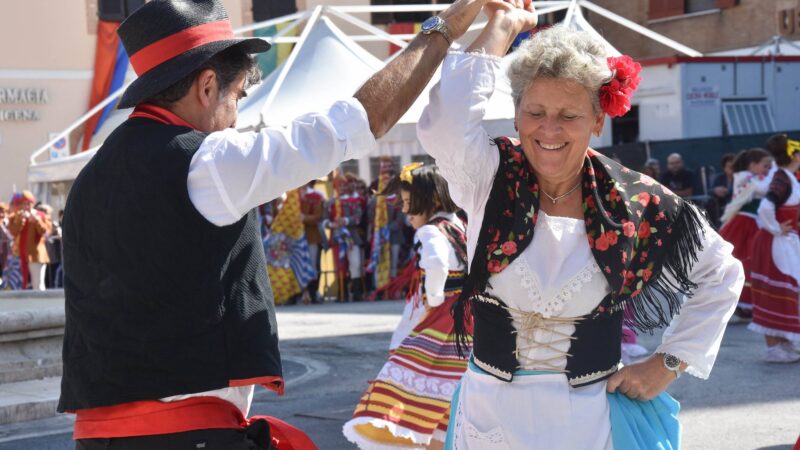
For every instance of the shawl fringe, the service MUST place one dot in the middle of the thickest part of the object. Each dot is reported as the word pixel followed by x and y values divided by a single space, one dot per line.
pixel 662 297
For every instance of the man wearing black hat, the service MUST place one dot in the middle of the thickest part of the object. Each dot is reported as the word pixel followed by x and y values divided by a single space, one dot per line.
pixel 167 332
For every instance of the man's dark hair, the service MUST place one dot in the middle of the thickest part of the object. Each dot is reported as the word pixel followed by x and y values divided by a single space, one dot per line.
pixel 428 189
pixel 776 146
pixel 228 65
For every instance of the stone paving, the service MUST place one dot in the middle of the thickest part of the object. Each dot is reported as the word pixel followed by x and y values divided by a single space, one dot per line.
pixel 332 350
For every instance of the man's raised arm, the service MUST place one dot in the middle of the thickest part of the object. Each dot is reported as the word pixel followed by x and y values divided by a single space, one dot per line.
pixel 390 92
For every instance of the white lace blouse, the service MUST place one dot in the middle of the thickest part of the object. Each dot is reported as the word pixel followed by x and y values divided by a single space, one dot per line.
pixel 556 274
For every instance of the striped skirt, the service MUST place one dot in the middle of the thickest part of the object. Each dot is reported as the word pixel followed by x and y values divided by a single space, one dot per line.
pixel 408 404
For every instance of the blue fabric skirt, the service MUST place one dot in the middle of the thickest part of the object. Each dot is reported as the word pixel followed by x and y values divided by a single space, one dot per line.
pixel 635 424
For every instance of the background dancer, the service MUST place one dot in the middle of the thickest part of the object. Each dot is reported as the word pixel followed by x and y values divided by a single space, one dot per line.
pixel 775 262
pixel 561 240
pixel 29 228
pixel 407 406
pixel 740 220
pixel 163 353
pixel 312 201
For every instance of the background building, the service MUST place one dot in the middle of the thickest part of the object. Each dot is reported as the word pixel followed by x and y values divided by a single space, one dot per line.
pixel 46 72
pixel 708 26
pixel 680 98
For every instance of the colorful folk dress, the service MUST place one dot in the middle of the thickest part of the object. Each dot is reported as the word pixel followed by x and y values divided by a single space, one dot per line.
pixel 775 264
pixel 408 404
pixel 548 320
pixel 740 223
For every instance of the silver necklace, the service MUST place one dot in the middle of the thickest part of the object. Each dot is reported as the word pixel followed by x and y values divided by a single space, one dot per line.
pixel 559 197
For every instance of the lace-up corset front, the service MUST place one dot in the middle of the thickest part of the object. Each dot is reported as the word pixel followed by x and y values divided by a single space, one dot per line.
pixel 554 281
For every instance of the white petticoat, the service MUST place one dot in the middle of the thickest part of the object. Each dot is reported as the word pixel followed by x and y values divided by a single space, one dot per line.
pixel 532 412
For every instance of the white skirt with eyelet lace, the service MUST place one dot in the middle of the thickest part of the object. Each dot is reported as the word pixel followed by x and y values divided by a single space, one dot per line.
pixel 531 412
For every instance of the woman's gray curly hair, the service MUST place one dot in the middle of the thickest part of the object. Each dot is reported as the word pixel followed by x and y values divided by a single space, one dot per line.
pixel 559 52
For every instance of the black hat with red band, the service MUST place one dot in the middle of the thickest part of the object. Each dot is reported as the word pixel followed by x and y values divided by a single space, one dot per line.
pixel 167 40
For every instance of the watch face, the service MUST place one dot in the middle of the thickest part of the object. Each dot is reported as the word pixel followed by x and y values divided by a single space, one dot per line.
pixel 430 23
pixel 672 362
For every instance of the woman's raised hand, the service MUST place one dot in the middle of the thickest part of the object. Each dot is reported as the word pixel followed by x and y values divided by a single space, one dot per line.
pixel 460 15
pixel 521 13
pixel 507 19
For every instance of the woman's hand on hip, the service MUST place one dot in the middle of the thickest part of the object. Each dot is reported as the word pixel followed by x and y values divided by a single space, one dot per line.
pixel 642 381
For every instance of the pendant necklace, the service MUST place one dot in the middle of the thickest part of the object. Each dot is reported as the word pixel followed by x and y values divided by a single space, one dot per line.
pixel 557 198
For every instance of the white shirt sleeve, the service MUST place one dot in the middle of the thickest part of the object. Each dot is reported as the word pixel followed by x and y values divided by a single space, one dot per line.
pixel 761 185
pixel 695 334
pixel 450 127
pixel 766 212
pixel 234 172
pixel 434 259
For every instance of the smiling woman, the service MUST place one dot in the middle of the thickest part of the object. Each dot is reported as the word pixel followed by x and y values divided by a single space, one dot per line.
pixel 551 282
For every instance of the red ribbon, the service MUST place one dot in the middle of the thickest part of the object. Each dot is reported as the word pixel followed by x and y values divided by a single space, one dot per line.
pixel 181 42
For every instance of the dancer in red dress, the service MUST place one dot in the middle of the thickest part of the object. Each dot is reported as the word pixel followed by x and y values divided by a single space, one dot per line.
pixel 740 220
pixel 775 263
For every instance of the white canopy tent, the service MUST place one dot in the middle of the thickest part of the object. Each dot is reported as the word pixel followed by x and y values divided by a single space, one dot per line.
pixel 325 65
pixel 776 45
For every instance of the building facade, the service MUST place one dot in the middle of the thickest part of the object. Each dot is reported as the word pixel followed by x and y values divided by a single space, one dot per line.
pixel 707 26
pixel 46 75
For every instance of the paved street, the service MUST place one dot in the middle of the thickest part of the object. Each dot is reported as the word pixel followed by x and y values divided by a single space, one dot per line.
pixel 332 350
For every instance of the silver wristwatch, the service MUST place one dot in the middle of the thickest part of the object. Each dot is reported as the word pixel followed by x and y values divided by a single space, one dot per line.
pixel 673 363
pixel 438 25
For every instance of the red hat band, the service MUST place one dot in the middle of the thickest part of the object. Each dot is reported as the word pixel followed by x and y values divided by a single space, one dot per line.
pixel 171 46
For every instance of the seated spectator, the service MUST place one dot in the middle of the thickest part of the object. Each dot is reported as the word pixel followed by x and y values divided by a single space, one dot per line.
pixel 652 168
pixel 678 178
pixel 722 185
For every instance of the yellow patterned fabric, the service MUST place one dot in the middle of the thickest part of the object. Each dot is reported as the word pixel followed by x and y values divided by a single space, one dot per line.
pixel 381 251
pixel 288 223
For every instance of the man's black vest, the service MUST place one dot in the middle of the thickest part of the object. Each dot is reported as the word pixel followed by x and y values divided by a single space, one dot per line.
pixel 159 301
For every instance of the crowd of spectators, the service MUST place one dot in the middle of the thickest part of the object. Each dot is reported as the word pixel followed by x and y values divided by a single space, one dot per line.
pixel 30 244
pixel 348 213
pixel 686 182
pixel 30 237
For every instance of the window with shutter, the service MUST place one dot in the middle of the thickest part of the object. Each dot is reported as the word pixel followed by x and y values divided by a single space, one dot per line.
pixel 666 8
pixel 747 117
pixel 722 4
pixel 693 6
pixel 268 9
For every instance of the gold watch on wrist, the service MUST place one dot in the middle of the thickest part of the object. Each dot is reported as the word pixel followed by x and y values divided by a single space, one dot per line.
pixel 438 25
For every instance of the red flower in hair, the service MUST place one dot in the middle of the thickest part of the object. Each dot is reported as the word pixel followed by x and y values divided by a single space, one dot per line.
pixel 615 96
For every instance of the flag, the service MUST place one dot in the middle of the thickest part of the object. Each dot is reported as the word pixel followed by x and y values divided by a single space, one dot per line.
pixel 269 61
pixel 110 66
pixel 380 254
pixel 288 258
pixel 270 9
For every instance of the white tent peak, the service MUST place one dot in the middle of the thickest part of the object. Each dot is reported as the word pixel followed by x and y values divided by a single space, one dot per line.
pixel 327 66
pixel 776 45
